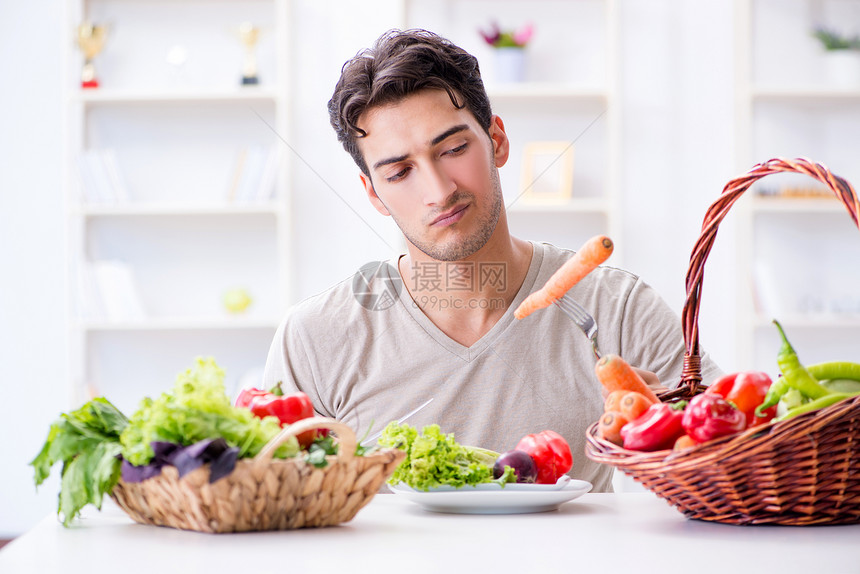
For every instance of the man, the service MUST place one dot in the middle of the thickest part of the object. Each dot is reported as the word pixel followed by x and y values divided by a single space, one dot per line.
pixel 437 322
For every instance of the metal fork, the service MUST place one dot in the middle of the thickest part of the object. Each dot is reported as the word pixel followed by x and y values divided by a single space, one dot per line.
pixel 582 319
pixel 370 440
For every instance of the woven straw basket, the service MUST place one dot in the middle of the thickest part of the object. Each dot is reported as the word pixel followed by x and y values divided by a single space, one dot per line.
pixel 264 493
pixel 801 471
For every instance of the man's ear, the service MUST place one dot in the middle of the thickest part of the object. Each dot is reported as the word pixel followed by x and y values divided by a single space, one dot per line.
pixel 371 195
pixel 501 145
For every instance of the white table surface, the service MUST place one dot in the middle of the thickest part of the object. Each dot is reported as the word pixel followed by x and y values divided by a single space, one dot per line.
pixel 600 533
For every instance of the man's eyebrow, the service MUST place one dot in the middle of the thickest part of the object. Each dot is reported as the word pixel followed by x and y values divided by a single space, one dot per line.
pixel 389 160
pixel 448 133
pixel 438 139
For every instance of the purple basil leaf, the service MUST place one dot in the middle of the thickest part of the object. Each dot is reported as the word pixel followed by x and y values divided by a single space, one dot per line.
pixel 224 464
pixel 196 450
pixel 215 449
pixel 131 473
pixel 162 451
pixel 194 456
pixel 185 461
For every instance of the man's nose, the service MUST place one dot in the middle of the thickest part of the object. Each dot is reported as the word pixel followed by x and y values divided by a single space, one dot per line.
pixel 438 186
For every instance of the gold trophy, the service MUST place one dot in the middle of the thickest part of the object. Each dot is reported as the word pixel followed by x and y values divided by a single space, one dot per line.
pixel 91 40
pixel 249 34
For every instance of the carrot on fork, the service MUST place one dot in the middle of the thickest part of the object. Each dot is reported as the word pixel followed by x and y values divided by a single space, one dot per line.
pixel 594 252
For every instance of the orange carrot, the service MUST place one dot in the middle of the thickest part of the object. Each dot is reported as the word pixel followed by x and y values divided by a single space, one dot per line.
pixel 684 442
pixel 613 399
pixel 633 404
pixel 595 251
pixel 609 426
pixel 615 373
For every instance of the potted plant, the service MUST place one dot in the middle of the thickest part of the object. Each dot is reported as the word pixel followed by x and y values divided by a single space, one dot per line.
pixel 509 50
pixel 841 56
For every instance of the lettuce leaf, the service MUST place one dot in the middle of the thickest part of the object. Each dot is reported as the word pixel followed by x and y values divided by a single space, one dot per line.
pixel 197 409
pixel 86 441
pixel 434 459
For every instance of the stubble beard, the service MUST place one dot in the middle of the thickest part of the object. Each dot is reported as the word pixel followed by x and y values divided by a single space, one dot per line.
pixel 486 227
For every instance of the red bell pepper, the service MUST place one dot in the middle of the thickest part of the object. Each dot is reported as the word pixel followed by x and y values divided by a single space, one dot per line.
pixel 745 390
pixel 551 454
pixel 286 408
pixel 656 429
pixel 710 416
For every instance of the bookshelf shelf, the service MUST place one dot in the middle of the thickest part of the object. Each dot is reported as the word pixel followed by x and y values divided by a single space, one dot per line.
pixel 538 91
pixel 238 323
pixel 789 105
pixel 179 209
pixel 797 205
pixel 177 192
pixel 803 95
pixel 583 205
pixel 223 95
pixel 817 321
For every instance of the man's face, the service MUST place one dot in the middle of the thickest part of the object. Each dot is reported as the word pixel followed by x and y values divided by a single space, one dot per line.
pixel 434 170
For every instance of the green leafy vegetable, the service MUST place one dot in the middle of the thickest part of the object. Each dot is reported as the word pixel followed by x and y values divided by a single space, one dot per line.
pixel 833 40
pixel 92 441
pixel 198 408
pixel 434 459
pixel 319 449
pixel 86 441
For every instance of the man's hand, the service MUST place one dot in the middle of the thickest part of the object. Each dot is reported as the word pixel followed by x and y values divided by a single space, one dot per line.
pixel 650 379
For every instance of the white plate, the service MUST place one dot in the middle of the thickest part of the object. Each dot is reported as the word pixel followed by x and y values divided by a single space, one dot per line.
pixel 563 481
pixel 493 499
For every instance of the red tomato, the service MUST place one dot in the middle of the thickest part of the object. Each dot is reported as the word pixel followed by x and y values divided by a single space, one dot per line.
pixel 551 454
pixel 286 408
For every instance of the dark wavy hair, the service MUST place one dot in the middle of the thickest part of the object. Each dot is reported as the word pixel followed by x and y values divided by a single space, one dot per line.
pixel 400 63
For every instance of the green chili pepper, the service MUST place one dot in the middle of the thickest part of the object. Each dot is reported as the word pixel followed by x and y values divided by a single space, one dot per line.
pixel 818 403
pixel 835 370
pixel 775 392
pixel 795 374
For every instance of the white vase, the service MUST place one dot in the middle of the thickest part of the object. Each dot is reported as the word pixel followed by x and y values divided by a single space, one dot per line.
pixel 510 65
pixel 842 68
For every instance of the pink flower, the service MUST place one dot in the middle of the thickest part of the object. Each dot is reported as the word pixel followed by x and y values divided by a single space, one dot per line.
pixel 491 36
pixel 499 38
pixel 524 35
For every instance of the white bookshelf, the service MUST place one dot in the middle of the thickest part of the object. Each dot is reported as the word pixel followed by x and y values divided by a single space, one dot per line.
pixel 545 91
pixel 813 94
pixel 178 231
pixel 831 321
pixel 179 209
pixel 181 324
pixel 592 205
pixel 796 205
pixel 570 94
pixel 797 256
pixel 168 96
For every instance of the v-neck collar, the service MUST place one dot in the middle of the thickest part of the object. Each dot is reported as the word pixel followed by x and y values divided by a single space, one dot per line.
pixel 479 346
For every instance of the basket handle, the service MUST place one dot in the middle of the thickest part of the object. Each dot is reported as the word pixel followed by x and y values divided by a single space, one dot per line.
pixel 345 436
pixel 691 375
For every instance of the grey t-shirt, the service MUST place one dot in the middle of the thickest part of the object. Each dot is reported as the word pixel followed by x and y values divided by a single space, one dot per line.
pixel 366 354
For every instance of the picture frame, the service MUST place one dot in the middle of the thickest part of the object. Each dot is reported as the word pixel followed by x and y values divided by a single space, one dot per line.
pixel 547 173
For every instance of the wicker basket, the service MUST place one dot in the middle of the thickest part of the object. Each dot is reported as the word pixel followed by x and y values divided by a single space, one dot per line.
pixel 800 471
pixel 264 493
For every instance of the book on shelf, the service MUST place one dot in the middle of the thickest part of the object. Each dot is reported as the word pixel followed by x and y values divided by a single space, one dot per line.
pixel 255 175
pixel 108 290
pixel 100 177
